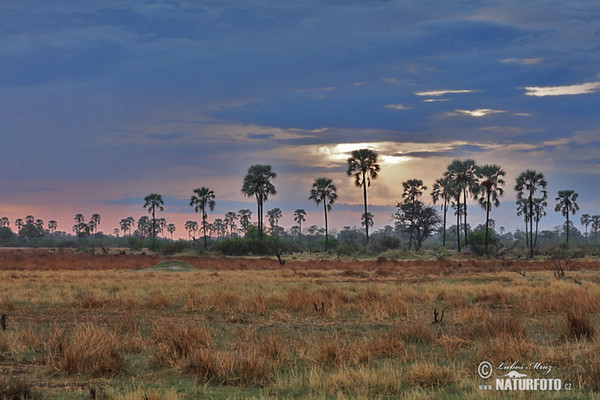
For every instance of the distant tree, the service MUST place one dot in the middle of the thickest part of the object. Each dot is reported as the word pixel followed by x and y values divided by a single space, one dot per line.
pixel 31 228
pixel 153 202
pixel 145 227
pixel 80 228
pixel 442 189
pixel 595 226
pixel 257 182
pixel 116 232
pixel 94 222
pixel 299 217
pixel 412 191
pixel 566 204
pixel 488 190
pixel 363 165
pixel 52 225
pixel 19 224
pixel 125 224
pixel 324 191
pixel 79 218
pixel 245 215
pixel 200 200
pixel 586 220
pixel 219 227
pixel 4 222
pixel 539 211
pixel 523 209
pixel 161 225
pixel 230 219
pixel 274 216
pixel 527 184
pixel 420 219
pixel 171 229
pixel 191 227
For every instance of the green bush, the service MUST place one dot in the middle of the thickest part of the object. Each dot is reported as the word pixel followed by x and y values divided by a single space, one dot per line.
pixel 269 246
pixel 170 248
pixel 477 242
pixel 135 244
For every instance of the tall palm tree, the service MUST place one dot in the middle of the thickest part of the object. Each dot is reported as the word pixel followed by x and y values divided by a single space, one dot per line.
pixel 442 189
pixel 202 198
pixel 462 174
pixel 488 191
pixel 412 191
pixel 94 222
pixel 539 211
pixel 363 165
pixel 324 191
pixel 567 205
pixel 586 220
pixel 299 217
pixel 257 182
pixel 527 184
pixel 153 202
pixel 4 222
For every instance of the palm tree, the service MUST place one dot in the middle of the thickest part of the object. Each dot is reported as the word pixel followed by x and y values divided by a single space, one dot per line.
pixel 79 218
pixel 230 218
pixel 94 222
pixel 462 174
pixel 245 215
pixel 299 217
pixel 586 220
pixel 366 219
pixel 488 191
pixel 442 189
pixel 171 229
pixel 153 201
pixel 52 225
pixel 363 166
pixel 567 205
pixel 527 184
pixel 19 224
pixel 595 226
pixel 202 198
pixel 413 190
pixel 4 222
pixel 539 211
pixel 257 182
pixel 323 190
pixel 192 228
pixel 274 215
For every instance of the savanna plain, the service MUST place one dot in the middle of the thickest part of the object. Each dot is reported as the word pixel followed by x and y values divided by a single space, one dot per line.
pixel 140 326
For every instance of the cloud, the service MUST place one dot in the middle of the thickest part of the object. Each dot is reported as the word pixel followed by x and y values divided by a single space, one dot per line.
pixel 437 93
pixel 390 80
pixel 583 88
pixel 397 107
pixel 480 112
pixel 435 100
pixel 525 61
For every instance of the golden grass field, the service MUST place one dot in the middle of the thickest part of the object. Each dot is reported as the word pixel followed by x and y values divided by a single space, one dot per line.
pixel 109 326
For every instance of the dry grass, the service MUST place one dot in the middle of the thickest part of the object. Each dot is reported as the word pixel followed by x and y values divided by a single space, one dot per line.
pixel 90 349
pixel 351 329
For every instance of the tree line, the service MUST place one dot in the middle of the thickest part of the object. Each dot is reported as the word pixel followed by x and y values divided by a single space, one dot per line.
pixel 463 179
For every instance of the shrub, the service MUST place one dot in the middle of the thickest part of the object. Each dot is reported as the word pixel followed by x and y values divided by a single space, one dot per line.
pixel 170 248
pixel 270 245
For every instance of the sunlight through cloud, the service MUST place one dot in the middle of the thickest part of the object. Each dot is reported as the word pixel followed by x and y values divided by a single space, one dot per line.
pixel 437 93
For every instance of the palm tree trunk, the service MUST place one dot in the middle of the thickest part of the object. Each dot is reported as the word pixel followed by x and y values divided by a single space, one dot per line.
pixel 465 205
pixel 365 197
pixel 326 230
pixel 567 227
pixel 204 227
pixel 487 221
pixel 445 212
pixel 531 226
pixel 458 222
pixel 153 223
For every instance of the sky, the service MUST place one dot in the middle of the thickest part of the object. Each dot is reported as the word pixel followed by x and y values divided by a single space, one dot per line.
pixel 104 102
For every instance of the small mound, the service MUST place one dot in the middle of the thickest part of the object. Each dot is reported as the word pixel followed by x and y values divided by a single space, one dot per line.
pixel 172 265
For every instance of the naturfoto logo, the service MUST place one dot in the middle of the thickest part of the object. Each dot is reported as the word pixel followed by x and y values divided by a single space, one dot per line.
pixel 515 376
